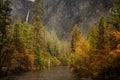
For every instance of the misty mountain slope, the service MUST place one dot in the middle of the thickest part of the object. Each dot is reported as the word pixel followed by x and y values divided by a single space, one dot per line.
pixel 70 12
pixel 63 14
pixel 20 9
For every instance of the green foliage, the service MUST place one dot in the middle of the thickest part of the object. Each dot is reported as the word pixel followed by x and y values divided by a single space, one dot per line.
pixel 25 47
pixel 92 39
pixel 115 15
pixel 96 36
pixel 37 10
pixel 38 35
pixel 22 40
pixel 27 36
pixel 38 28
pixel 5 11
pixel 22 33
pixel 102 26
pixel 5 20
pixel 38 38
pixel 39 58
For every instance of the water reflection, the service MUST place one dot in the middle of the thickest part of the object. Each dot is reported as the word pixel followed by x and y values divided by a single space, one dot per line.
pixel 59 73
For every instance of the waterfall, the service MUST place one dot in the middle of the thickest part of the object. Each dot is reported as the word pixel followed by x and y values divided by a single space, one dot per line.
pixel 27 17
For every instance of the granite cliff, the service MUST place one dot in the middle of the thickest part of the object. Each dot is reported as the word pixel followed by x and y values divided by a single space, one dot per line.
pixel 63 14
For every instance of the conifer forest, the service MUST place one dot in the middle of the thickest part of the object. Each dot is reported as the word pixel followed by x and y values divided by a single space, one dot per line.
pixel 34 49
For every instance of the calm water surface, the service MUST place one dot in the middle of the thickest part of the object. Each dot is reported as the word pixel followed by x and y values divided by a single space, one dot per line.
pixel 58 73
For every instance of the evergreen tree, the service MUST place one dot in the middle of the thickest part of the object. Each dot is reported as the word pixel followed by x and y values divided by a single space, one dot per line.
pixel 101 34
pixel 75 37
pixel 38 30
pixel 92 39
pixel 37 11
pixel 5 11
pixel 38 34
pixel 22 38
pixel 115 15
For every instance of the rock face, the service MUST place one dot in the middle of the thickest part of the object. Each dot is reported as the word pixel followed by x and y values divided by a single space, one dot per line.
pixel 20 9
pixel 63 14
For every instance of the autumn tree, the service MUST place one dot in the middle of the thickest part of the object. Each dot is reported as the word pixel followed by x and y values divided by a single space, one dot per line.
pixel 79 59
pixel 114 54
pixel 101 46
pixel 22 39
pixel 107 42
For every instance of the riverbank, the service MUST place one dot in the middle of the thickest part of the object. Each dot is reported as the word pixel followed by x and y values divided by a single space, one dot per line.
pixel 5 71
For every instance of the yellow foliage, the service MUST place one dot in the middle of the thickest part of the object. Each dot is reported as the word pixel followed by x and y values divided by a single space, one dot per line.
pixel 26 60
pixel 115 34
pixel 54 62
pixel 107 57
pixel 79 60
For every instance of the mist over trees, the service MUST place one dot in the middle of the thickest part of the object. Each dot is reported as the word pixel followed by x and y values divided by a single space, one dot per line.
pixel 28 46
pixel 25 46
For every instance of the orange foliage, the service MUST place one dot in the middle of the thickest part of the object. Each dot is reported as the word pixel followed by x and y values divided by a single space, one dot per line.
pixel 110 58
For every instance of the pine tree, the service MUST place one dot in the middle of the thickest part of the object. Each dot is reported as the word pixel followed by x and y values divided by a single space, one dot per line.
pixel 38 34
pixel 5 20
pixel 22 39
pixel 37 11
pixel 5 11
pixel 17 37
pixel 101 31
pixel 115 15
pixel 38 31
pixel 92 38
pixel 75 37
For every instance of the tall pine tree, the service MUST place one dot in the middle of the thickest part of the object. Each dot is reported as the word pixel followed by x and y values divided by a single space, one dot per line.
pixel 38 34
pixel 76 33
pixel 38 30
pixel 5 11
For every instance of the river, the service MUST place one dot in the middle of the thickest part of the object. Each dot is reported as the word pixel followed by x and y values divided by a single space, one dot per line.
pixel 57 73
